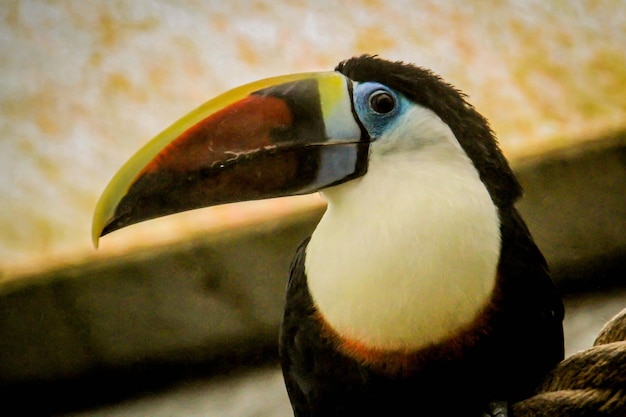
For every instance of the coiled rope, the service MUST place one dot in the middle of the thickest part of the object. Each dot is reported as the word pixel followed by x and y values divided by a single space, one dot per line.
pixel 590 383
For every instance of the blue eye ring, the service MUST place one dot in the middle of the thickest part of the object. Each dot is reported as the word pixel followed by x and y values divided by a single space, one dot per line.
pixel 381 101
pixel 376 106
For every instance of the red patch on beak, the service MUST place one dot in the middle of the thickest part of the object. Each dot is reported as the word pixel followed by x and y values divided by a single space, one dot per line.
pixel 240 128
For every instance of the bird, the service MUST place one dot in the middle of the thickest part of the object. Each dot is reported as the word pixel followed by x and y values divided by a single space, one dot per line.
pixel 421 291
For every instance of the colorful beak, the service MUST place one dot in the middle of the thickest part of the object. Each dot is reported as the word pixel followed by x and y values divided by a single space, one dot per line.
pixel 288 135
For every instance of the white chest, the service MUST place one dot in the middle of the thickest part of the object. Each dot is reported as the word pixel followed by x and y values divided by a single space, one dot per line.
pixel 406 255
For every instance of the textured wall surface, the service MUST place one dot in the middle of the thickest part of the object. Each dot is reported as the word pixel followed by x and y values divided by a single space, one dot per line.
pixel 84 84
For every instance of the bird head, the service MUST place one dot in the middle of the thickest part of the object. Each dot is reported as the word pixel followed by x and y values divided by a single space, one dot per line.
pixel 298 134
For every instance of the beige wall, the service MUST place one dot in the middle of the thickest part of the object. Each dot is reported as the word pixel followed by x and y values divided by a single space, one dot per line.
pixel 84 84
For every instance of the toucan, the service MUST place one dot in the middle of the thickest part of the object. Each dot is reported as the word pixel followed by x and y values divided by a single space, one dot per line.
pixel 421 291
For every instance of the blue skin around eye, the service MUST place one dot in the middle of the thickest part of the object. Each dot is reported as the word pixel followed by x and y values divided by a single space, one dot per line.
pixel 375 123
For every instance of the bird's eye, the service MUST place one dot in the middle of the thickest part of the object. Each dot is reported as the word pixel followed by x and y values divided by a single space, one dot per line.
pixel 382 102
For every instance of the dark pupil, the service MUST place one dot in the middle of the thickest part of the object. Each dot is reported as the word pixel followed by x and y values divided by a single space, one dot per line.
pixel 382 102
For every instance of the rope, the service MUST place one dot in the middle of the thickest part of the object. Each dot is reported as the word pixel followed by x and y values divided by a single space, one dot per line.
pixel 589 383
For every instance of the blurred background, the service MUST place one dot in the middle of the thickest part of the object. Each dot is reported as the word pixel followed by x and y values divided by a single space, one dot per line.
pixel 197 296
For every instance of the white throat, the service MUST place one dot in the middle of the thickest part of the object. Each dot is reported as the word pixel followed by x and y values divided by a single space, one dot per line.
pixel 406 255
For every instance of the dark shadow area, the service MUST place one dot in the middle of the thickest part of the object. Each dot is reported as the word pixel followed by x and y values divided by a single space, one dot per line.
pixel 602 273
pixel 102 386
